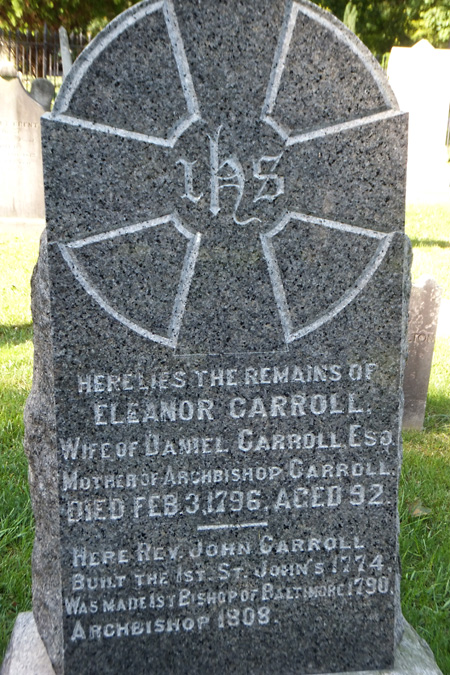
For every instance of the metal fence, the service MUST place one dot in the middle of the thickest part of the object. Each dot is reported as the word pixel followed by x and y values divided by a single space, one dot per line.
pixel 37 53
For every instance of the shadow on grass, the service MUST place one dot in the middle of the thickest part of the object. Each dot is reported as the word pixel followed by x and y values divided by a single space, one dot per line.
pixel 15 335
pixel 430 242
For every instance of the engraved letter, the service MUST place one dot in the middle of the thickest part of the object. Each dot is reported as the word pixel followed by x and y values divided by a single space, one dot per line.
pixel 266 177
pixel 235 179
pixel 189 182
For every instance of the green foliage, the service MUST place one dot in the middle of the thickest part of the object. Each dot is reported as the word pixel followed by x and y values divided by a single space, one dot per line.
pixel 351 16
pixel 55 13
pixel 382 24
pixel 432 22
pixel 337 7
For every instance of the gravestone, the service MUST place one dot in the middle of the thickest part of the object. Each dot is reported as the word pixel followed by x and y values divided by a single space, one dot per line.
pixel 419 78
pixel 26 654
pixel 229 289
pixel 66 56
pixel 42 91
pixel 21 181
pixel 423 318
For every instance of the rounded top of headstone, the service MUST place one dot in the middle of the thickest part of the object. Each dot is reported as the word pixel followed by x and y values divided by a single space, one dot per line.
pixel 232 129
pixel 42 91
pixel 175 85
pixel 7 70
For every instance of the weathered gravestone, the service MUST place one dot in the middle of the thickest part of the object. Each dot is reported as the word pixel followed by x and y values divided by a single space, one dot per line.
pixel 228 273
pixel 422 325
pixel 42 91
pixel 21 182
pixel 66 56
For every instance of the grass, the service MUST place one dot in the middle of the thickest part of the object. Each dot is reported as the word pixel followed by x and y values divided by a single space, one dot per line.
pixel 425 539
pixel 17 258
pixel 428 227
pixel 425 482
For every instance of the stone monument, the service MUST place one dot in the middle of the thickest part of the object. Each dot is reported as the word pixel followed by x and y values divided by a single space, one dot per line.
pixel 419 78
pixel 214 425
pixel 422 325
pixel 42 91
pixel 66 56
pixel 21 182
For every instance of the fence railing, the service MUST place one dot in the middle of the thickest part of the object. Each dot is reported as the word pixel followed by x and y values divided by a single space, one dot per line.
pixel 37 53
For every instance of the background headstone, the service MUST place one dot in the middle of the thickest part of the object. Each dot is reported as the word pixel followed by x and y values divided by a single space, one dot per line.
pixel 66 55
pixel 26 653
pixel 42 91
pixel 229 291
pixel 420 79
pixel 21 181
pixel 423 318
pixel 7 69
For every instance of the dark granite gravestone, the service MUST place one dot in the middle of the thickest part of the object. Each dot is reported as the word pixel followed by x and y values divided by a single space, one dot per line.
pixel 423 319
pixel 229 287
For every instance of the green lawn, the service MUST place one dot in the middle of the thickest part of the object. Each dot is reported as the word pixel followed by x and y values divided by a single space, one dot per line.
pixel 425 483
pixel 17 258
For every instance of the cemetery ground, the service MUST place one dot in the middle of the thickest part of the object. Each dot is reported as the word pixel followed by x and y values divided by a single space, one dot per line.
pixel 425 482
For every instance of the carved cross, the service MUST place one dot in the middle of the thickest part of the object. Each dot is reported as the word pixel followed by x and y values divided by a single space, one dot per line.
pixel 229 173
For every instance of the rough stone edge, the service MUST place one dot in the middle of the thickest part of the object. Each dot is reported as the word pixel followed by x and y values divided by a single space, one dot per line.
pixel 26 654
pixel 400 625
pixel 40 448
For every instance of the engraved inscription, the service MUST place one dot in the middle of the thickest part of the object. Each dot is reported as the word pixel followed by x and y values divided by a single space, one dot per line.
pixel 229 173
pixel 272 184
pixel 189 181
pixel 226 339
pixel 219 485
